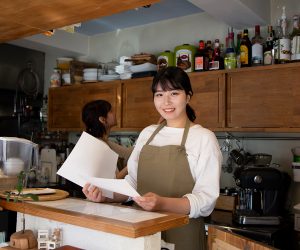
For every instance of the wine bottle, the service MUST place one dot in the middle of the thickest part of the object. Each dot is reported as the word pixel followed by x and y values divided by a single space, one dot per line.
pixel 245 50
pixel 257 48
pixel 268 57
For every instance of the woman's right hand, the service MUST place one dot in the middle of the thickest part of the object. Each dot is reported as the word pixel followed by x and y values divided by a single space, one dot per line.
pixel 93 193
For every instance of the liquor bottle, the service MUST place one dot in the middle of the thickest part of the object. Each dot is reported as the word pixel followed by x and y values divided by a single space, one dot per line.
pixel 200 57
pixel 268 57
pixel 276 51
pixel 208 54
pixel 245 50
pixel 217 61
pixel 295 37
pixel 257 48
pixel 237 50
pixel 230 55
pixel 284 41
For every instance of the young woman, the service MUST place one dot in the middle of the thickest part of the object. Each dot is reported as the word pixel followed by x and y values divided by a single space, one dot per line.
pixel 99 118
pixel 175 166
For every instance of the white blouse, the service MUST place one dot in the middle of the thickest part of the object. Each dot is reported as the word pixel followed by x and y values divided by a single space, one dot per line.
pixel 204 157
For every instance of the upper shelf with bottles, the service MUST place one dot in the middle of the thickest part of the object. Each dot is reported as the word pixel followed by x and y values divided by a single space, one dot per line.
pixel 276 48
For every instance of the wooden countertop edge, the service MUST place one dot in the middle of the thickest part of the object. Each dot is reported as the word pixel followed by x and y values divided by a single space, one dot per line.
pixel 132 230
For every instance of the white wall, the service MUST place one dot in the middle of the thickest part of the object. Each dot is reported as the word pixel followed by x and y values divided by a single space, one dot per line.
pixel 157 37
pixel 292 7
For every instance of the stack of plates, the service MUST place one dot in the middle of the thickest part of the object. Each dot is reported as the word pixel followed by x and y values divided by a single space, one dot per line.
pixel 90 75
pixel 106 78
pixel 143 67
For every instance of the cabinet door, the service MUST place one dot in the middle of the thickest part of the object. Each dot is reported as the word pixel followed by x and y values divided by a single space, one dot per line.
pixel 208 100
pixel 66 103
pixel 138 110
pixel 109 91
pixel 264 98
pixel 64 108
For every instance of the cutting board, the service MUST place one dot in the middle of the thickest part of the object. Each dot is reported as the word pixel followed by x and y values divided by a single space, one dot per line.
pixel 58 195
pixel 48 163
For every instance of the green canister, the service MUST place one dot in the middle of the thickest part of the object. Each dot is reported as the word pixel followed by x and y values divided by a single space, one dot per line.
pixel 184 57
pixel 165 59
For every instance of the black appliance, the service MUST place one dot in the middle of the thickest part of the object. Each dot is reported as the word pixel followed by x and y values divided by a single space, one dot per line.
pixel 261 196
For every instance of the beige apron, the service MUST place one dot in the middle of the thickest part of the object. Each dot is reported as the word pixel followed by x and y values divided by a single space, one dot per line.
pixel 165 171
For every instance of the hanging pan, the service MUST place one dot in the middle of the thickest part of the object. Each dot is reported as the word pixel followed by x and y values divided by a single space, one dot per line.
pixel 28 81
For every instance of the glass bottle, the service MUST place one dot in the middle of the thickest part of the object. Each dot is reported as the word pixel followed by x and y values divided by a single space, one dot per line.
pixel 217 61
pixel 55 79
pixel 276 51
pixel 200 57
pixel 245 50
pixel 237 51
pixel 230 56
pixel 295 37
pixel 284 41
pixel 257 48
pixel 208 54
pixel 268 57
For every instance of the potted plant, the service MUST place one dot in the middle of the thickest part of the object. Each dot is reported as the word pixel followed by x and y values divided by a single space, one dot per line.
pixel 23 239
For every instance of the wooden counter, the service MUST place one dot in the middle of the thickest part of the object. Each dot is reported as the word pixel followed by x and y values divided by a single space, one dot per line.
pixel 145 223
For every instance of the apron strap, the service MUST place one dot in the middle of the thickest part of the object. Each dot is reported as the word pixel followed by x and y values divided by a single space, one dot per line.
pixel 156 131
pixel 185 133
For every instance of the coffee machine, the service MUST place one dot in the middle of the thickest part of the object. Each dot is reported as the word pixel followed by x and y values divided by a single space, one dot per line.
pixel 261 195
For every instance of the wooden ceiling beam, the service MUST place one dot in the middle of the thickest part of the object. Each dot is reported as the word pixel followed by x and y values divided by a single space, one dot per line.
pixel 21 18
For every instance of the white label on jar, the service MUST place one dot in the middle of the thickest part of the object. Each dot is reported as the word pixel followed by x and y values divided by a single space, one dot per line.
pixel 268 57
pixel 184 60
pixel 257 53
pixel 296 48
pixel 285 49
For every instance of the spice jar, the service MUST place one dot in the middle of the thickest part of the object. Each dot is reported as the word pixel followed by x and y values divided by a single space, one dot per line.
pixel 55 80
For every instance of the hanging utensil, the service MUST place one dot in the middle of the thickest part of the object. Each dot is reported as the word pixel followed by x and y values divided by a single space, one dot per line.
pixel 28 81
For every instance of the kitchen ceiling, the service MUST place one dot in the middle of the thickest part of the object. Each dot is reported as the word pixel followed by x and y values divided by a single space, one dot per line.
pixel 165 9
pixel 19 20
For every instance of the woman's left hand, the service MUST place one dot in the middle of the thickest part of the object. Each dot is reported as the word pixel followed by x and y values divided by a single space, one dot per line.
pixel 149 202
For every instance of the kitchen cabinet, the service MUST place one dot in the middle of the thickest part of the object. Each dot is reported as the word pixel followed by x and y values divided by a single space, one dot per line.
pixel 225 240
pixel 208 100
pixel 65 103
pixel 249 99
pixel 264 98
pixel 138 110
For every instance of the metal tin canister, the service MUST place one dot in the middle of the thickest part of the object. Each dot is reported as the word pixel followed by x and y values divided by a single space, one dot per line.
pixel 184 57
pixel 165 59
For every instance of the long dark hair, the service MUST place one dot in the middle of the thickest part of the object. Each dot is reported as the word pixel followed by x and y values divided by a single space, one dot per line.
pixel 90 116
pixel 175 78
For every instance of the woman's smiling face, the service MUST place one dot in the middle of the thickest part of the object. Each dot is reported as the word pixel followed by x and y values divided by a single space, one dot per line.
pixel 171 105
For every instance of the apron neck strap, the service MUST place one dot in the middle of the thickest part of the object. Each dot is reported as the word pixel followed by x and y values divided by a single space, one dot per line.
pixel 164 123
pixel 156 131
pixel 186 131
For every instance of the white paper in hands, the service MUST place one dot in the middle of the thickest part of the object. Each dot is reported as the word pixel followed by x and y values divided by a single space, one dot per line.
pixel 90 157
pixel 120 186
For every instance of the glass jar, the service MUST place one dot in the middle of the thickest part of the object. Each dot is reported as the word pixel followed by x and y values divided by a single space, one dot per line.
pixel 55 80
